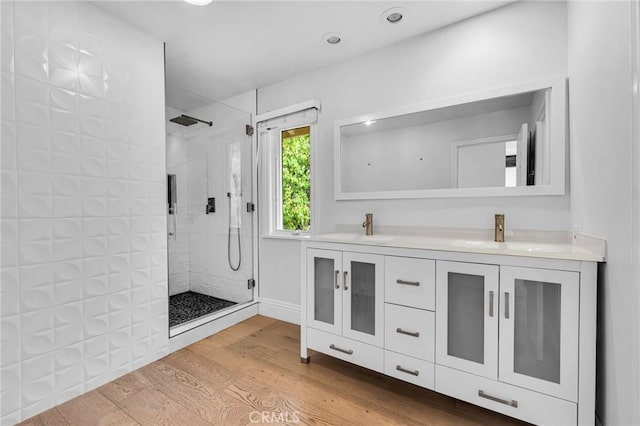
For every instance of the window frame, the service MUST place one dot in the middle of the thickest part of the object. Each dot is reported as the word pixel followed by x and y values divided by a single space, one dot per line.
pixel 270 173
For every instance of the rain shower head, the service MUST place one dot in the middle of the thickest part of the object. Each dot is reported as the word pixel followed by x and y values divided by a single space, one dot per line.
pixel 185 120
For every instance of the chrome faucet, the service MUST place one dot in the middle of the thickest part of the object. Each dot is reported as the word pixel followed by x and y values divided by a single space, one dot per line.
pixel 499 228
pixel 368 224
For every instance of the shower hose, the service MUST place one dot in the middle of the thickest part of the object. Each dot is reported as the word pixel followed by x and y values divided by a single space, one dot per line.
pixel 236 267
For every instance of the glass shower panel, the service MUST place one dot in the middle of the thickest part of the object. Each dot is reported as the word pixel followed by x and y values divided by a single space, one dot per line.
pixel 211 241
pixel 363 297
pixel 537 322
pixel 465 317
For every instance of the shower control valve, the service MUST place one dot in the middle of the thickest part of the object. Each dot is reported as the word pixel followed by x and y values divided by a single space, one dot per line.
pixel 211 205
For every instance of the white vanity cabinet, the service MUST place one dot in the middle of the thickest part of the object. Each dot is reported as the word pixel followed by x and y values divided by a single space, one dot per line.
pixel 511 333
pixel 345 306
pixel 520 329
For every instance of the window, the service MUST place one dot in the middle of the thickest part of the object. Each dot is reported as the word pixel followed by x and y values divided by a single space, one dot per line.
pixel 294 202
pixel 286 143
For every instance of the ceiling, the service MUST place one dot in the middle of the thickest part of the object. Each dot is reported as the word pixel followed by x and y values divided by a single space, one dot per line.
pixel 230 47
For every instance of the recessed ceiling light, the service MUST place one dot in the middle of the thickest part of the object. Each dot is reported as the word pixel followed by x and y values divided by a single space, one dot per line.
pixel 198 2
pixel 393 15
pixel 333 39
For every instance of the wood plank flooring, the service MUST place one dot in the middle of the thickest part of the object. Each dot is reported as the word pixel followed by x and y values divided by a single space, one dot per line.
pixel 251 374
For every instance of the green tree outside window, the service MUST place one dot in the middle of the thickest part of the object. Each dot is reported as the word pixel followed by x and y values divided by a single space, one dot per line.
pixel 296 182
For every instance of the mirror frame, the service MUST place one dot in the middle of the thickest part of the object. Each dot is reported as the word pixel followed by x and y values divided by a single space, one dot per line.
pixel 558 145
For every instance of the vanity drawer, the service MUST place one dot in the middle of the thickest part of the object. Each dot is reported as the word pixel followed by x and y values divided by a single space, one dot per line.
pixel 409 369
pixel 409 331
pixel 410 281
pixel 364 355
pixel 529 406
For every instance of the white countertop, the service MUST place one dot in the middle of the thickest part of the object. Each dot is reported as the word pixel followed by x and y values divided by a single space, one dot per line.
pixel 552 245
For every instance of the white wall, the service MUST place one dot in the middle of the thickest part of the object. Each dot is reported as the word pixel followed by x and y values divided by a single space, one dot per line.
pixel 520 42
pixel 84 254
pixel 599 62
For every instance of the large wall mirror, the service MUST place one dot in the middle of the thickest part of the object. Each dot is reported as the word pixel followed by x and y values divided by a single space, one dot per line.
pixel 506 141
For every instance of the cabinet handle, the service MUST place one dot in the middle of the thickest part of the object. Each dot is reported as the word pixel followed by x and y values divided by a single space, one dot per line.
pixel 413 283
pixel 336 279
pixel 404 370
pixel 512 403
pixel 344 283
pixel 491 303
pixel 344 351
pixel 506 304
pixel 408 333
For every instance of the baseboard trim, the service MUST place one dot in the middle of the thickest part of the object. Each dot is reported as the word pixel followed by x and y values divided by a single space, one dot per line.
pixel 282 311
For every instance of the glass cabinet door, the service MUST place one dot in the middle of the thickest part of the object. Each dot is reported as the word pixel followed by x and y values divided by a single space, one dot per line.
pixel 467 317
pixel 363 303
pixel 324 290
pixel 538 330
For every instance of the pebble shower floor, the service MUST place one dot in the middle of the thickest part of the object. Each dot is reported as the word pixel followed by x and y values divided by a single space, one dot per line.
pixel 189 305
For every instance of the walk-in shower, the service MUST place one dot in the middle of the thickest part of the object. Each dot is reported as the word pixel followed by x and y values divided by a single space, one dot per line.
pixel 210 234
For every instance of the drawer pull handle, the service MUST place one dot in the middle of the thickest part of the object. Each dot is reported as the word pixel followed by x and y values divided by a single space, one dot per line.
pixel 512 403
pixel 408 333
pixel 491 303
pixel 344 351
pixel 344 281
pixel 336 279
pixel 404 370
pixel 413 283
pixel 506 305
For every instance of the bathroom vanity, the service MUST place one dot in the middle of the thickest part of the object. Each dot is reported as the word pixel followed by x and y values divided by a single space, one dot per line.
pixel 507 326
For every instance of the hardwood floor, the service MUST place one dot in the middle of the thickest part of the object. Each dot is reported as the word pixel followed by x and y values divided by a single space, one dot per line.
pixel 251 374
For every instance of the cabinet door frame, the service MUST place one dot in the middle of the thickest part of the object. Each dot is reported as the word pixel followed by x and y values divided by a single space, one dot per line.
pixel 489 368
pixel 377 339
pixel 336 256
pixel 569 322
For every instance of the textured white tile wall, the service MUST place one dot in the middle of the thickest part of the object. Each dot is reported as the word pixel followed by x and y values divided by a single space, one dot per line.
pixel 83 227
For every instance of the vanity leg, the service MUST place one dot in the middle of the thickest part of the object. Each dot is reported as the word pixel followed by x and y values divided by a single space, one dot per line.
pixel 306 360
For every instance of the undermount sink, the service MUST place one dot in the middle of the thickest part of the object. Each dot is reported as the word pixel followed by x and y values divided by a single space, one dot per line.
pixel 347 236
pixel 509 246
pixel 376 238
pixel 340 236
